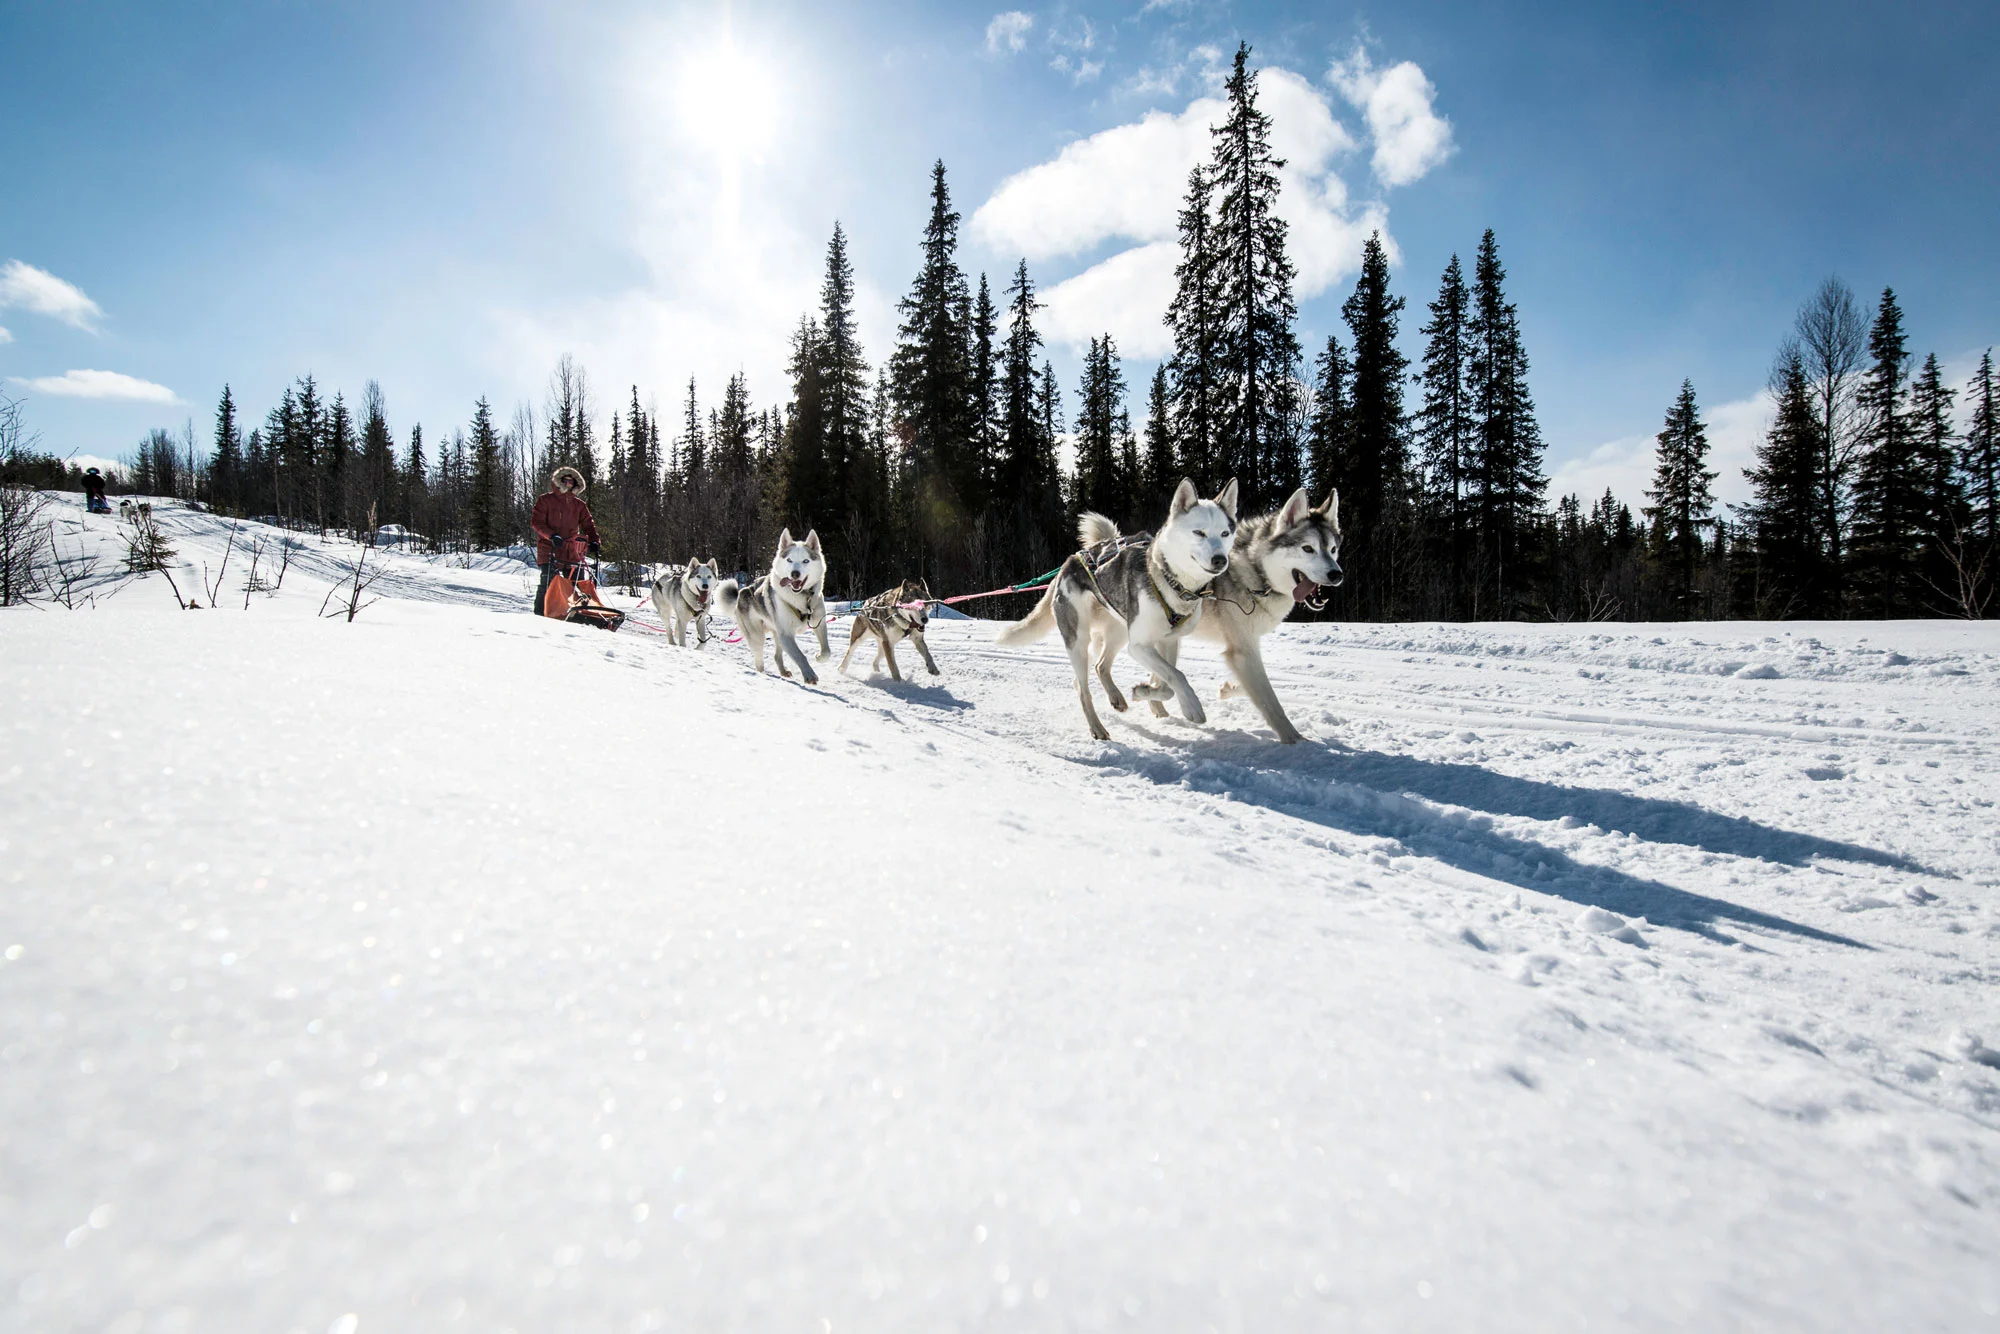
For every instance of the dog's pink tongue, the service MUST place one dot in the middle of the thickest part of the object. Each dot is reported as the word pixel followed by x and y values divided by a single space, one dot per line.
pixel 1303 589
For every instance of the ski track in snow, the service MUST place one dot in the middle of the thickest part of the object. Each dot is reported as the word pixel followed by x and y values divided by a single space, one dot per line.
pixel 459 969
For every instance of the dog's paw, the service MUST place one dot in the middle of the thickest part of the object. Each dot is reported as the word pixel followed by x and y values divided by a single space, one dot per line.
pixel 1230 690
pixel 811 677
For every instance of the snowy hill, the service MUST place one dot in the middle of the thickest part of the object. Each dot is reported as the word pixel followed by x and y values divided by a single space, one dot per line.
pixel 1613 976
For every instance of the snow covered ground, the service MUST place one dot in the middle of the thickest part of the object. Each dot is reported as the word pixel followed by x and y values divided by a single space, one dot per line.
pixel 457 969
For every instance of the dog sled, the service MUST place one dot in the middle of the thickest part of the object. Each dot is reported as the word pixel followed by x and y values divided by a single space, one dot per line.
pixel 572 595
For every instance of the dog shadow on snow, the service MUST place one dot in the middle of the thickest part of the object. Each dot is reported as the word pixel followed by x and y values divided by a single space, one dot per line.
pixel 1390 796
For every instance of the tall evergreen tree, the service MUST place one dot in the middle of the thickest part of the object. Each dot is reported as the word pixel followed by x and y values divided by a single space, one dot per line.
pixel 1257 354
pixel 1102 484
pixel 1979 457
pixel 226 471
pixel 984 389
pixel 852 504
pixel 338 455
pixel 1942 515
pixel 1326 430
pixel 1889 486
pixel 1158 470
pixel 1683 503
pixel 1020 426
pixel 1446 429
pixel 931 376
pixel 416 484
pixel 1509 481
pixel 1199 393
pixel 482 504
pixel 1371 467
pixel 1793 576
pixel 376 467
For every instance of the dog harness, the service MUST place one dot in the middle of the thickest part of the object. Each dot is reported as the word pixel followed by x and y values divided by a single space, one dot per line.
pixel 1174 618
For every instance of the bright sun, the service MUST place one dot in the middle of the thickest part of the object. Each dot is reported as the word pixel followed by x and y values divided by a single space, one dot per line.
pixel 727 100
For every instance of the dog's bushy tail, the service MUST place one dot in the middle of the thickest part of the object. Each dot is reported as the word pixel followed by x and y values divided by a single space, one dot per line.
pixel 726 594
pixel 1092 528
pixel 1035 624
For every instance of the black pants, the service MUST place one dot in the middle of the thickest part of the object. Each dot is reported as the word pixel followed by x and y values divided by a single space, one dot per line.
pixel 548 573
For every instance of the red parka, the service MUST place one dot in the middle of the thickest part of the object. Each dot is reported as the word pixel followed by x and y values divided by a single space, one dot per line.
pixel 560 514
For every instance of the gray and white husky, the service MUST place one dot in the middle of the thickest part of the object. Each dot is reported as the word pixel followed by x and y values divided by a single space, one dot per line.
pixel 682 594
pixel 1143 598
pixel 787 600
pixel 1278 561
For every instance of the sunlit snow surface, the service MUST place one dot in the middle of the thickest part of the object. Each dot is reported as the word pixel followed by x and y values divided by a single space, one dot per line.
pixel 454 969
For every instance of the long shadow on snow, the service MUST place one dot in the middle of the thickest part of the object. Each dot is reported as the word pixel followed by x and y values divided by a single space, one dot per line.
pixel 1654 820
pixel 1321 787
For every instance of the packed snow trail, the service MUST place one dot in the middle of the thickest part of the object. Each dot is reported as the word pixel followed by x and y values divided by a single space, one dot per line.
pixel 456 968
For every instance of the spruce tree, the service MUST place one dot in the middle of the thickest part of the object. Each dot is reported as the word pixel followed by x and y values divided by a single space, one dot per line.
pixel 1683 504
pixel 983 388
pixel 338 458
pixel 1020 426
pixel 1101 482
pixel 1979 455
pixel 804 478
pixel 1941 505
pixel 226 471
pixel 851 502
pixel 1326 430
pixel 1198 390
pixel 1446 429
pixel 376 471
pixel 1508 470
pixel 1793 577
pixel 1158 475
pixel 482 504
pixel 1889 489
pixel 1371 465
pixel 931 376
pixel 1257 353
pixel 416 485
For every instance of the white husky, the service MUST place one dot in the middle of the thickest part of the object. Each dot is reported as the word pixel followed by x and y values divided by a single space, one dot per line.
pixel 1278 561
pixel 1142 597
pixel 788 599
pixel 681 595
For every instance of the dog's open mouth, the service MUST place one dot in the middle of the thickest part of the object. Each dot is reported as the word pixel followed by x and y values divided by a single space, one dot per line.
pixel 795 582
pixel 1302 587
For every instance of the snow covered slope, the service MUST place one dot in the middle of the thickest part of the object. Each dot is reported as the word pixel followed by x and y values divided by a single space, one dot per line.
pixel 457 969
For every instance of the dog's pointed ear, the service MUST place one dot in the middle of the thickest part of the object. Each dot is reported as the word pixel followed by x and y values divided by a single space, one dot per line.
pixel 812 541
pixel 1296 509
pixel 1226 500
pixel 1331 509
pixel 784 541
pixel 1185 497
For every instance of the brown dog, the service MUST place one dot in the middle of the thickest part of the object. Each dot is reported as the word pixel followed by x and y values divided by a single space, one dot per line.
pixel 889 618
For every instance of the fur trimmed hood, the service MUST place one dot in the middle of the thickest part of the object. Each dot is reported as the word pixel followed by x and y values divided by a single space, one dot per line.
pixel 570 475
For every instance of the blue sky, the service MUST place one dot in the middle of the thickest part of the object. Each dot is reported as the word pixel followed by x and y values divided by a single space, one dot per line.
pixel 447 197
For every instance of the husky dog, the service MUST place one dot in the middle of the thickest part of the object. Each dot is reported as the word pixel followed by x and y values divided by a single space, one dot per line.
pixel 127 512
pixel 1136 594
pixel 681 594
pixel 782 603
pixel 1279 560
pixel 901 613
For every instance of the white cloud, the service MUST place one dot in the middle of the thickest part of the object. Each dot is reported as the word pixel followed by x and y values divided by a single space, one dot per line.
pixel 1127 183
pixel 1080 71
pixel 1625 465
pixel 99 384
pixel 30 288
pixel 5 337
pixel 1123 295
pixel 1008 32
pixel 1410 137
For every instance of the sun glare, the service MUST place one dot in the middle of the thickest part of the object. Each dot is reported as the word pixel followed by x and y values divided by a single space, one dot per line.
pixel 727 100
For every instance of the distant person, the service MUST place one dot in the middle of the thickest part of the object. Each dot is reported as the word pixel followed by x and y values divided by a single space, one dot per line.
pixel 560 520
pixel 93 492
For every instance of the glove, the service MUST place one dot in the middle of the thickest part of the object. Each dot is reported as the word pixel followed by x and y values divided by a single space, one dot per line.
pixel 595 547
pixel 557 543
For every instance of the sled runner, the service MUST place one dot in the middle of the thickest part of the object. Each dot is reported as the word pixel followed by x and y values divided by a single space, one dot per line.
pixel 572 595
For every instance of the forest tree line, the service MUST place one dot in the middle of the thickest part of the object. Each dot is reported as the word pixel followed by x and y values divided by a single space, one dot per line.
pixel 944 460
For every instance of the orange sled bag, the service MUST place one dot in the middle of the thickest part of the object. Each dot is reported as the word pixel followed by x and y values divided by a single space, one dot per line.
pixel 572 596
